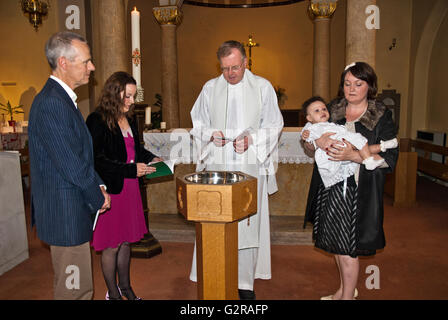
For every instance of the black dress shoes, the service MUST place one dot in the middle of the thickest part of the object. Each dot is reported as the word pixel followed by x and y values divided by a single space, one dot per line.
pixel 246 294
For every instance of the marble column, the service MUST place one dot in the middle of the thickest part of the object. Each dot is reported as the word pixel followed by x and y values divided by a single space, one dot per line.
pixel 112 39
pixel 169 17
pixel 321 13
pixel 360 40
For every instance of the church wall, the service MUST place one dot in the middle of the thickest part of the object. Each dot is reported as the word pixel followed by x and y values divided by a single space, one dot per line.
pixel 22 56
pixel 285 34
pixel 393 64
pixel 427 21
pixel 420 12
pixel 399 68
pixel 438 71
pixel 284 57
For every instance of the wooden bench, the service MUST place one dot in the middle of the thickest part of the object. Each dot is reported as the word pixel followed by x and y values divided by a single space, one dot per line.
pixel 401 184
pixel 425 164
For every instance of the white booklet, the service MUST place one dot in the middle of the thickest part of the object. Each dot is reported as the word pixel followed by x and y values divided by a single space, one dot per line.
pixel 96 219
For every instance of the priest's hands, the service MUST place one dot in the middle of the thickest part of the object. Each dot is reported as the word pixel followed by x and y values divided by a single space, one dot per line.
pixel 218 139
pixel 242 143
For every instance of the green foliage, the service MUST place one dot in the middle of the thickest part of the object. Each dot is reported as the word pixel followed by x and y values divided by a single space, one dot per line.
pixel 281 96
pixel 156 116
pixel 10 110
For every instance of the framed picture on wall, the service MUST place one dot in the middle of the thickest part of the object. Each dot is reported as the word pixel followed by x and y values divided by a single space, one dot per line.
pixel 391 99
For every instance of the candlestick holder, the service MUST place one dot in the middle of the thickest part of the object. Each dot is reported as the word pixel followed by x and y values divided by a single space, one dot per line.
pixel 140 94
pixel 147 127
pixel 162 126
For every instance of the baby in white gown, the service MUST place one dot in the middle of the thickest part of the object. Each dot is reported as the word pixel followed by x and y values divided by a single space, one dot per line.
pixel 333 172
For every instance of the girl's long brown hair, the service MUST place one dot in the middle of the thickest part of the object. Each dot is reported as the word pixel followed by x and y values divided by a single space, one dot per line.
pixel 110 101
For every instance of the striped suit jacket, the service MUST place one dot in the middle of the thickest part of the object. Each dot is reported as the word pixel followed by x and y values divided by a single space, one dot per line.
pixel 65 190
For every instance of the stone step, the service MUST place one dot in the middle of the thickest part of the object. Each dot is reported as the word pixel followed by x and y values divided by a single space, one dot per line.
pixel 285 230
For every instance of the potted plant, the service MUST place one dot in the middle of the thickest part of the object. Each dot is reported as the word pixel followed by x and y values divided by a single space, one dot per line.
pixel 281 96
pixel 156 117
pixel 10 110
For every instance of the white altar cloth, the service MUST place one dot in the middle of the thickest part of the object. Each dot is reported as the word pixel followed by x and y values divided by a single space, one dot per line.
pixel 177 143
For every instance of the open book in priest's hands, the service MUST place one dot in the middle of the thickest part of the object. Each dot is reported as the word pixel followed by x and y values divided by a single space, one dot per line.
pixel 164 168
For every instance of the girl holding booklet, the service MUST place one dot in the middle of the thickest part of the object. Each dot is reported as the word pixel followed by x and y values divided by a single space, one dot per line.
pixel 120 160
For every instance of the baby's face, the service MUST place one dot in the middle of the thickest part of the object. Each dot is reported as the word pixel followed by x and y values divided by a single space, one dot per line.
pixel 317 112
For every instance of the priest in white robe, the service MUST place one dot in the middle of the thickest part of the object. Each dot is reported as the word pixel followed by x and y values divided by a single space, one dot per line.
pixel 236 126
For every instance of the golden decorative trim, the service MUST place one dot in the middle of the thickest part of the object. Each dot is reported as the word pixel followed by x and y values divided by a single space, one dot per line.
pixel 322 9
pixel 168 15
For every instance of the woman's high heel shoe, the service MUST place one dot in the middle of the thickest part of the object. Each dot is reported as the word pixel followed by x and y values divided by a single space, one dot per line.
pixel 112 298
pixel 129 294
pixel 330 297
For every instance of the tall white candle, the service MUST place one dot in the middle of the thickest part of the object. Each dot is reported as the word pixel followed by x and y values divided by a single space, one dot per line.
pixel 136 52
pixel 162 125
pixel 148 115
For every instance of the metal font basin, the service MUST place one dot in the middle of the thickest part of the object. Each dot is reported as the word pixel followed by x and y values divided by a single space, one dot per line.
pixel 215 177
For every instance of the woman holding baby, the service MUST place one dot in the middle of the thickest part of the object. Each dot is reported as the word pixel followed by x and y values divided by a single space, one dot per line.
pixel 348 216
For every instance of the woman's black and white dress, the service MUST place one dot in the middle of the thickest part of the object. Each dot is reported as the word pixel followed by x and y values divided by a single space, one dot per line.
pixel 335 224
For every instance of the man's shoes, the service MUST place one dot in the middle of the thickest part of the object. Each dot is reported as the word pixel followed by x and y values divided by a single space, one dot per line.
pixel 246 294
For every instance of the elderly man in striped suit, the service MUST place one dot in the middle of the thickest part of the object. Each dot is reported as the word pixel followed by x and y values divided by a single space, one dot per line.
pixel 66 191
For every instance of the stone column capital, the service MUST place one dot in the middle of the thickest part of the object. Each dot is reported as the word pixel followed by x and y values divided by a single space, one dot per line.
pixel 322 9
pixel 168 15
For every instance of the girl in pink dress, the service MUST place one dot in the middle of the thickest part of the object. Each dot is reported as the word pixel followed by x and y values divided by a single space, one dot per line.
pixel 119 160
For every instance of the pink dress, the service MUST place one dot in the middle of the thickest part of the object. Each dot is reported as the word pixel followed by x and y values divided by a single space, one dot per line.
pixel 125 221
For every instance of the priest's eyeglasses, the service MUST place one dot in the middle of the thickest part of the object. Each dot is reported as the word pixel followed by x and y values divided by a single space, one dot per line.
pixel 232 68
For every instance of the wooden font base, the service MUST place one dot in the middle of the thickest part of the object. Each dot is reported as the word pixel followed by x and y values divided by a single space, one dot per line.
pixel 217 260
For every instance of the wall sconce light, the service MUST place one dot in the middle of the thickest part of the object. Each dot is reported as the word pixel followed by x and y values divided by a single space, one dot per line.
pixel 35 10
pixel 394 43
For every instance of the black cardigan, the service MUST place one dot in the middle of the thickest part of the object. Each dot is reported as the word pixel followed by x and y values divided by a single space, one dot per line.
pixel 110 152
